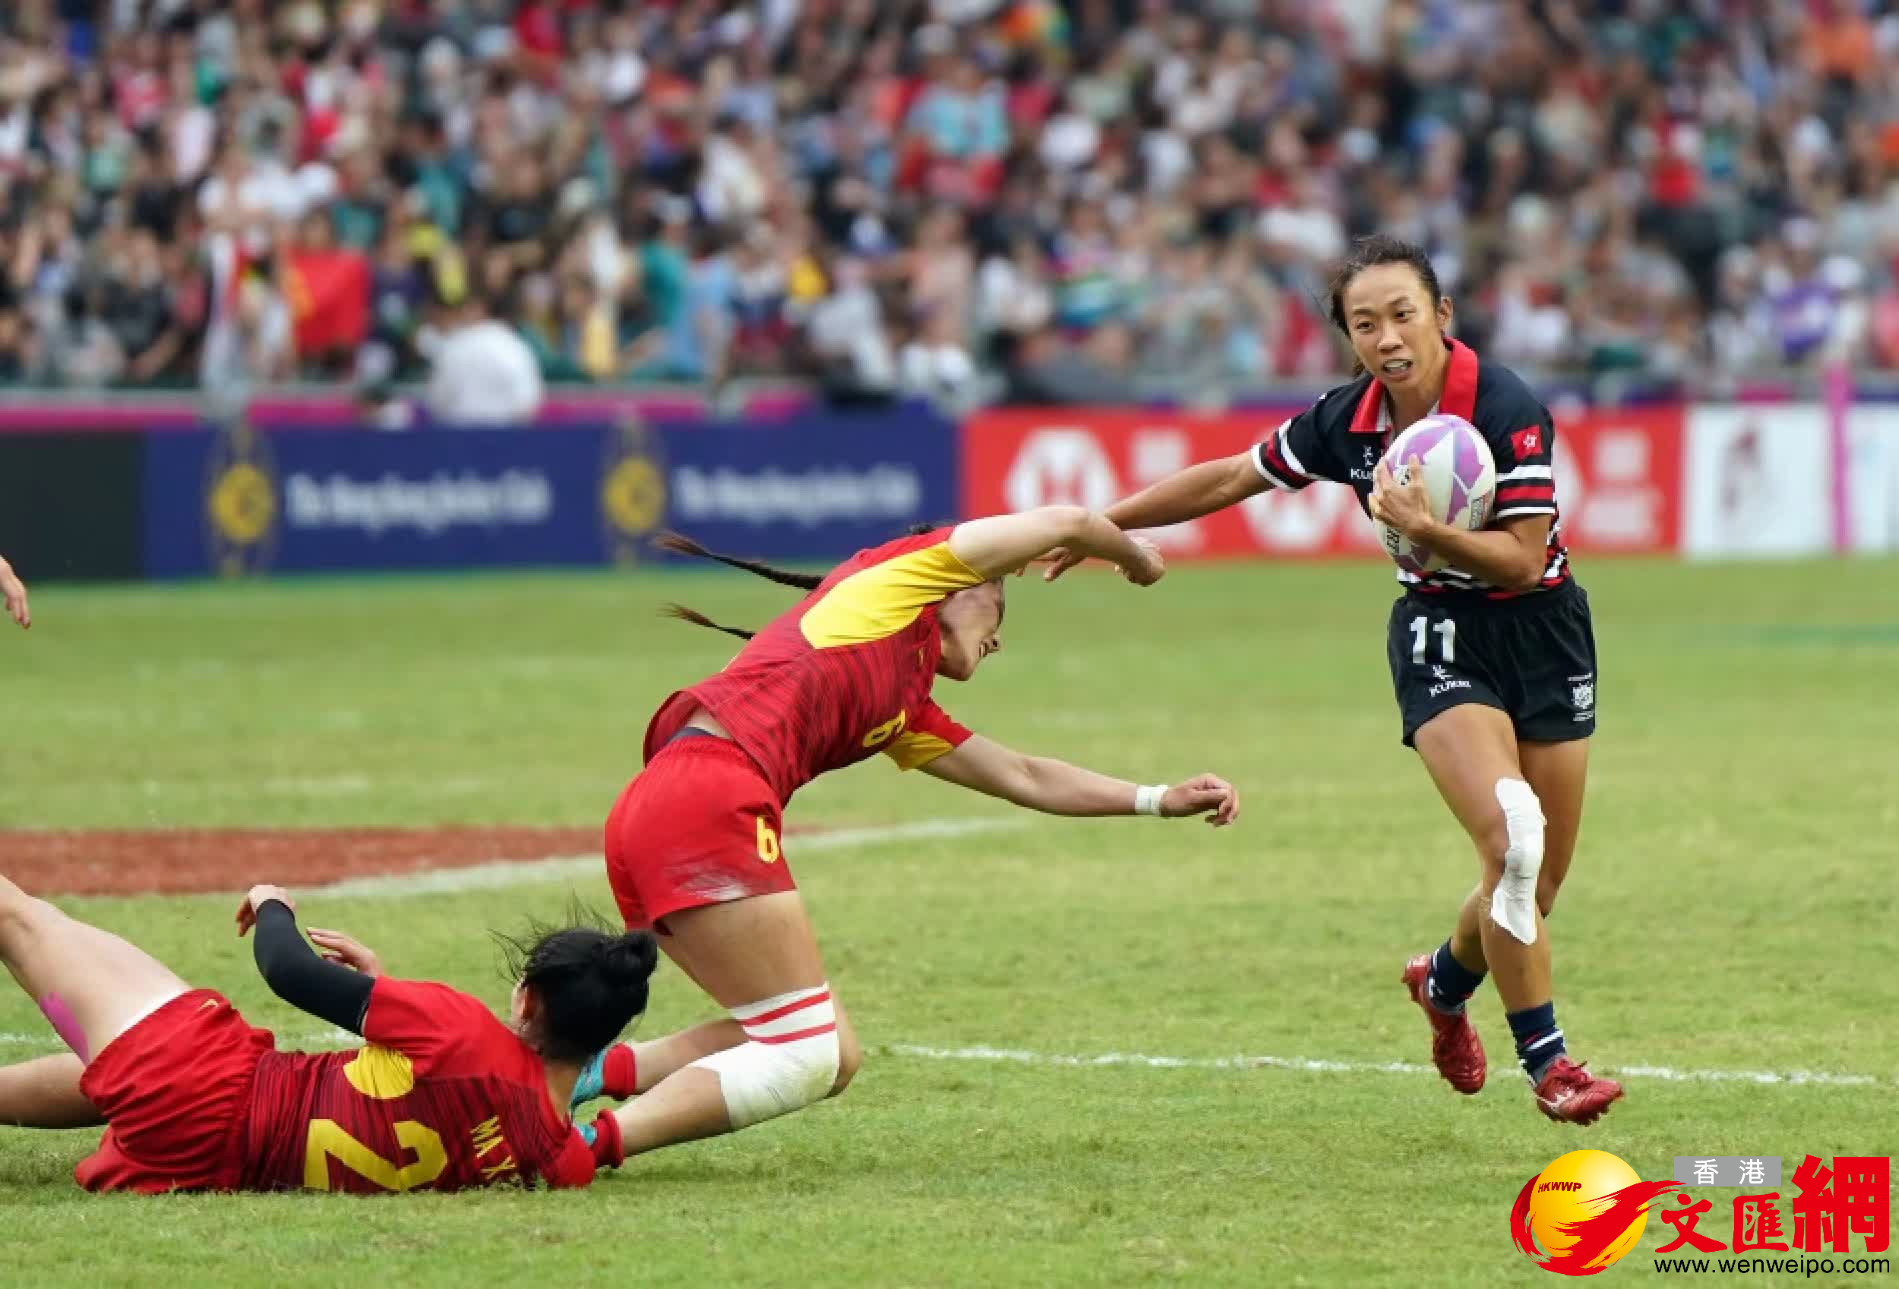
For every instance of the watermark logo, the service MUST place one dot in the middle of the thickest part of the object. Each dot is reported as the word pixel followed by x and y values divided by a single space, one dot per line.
pixel 1583 1213
pixel 1588 1210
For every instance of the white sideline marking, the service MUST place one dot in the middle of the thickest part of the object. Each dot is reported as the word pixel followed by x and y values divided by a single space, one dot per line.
pixel 1309 1065
pixel 329 1038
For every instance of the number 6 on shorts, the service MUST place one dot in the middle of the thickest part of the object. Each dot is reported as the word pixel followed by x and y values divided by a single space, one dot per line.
pixel 767 842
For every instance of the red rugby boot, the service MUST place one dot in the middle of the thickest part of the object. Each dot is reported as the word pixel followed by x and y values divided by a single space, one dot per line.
pixel 1571 1094
pixel 1455 1048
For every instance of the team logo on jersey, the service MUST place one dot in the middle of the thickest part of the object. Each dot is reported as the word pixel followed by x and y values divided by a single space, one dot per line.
pixel 1527 442
pixel 1582 694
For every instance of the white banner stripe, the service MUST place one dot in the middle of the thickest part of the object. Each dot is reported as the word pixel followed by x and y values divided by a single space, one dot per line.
pixel 1526 472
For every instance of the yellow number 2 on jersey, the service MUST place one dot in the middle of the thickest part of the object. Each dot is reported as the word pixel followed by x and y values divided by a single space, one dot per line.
pixel 328 1141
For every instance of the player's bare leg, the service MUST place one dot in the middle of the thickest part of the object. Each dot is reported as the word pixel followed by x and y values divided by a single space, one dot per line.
pixel 1472 756
pixel 1469 750
pixel 661 1058
pixel 44 1093
pixel 758 948
pixel 1557 773
pixel 91 985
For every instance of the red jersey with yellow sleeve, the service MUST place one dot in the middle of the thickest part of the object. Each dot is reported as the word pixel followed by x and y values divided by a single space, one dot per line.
pixel 844 675
pixel 442 1096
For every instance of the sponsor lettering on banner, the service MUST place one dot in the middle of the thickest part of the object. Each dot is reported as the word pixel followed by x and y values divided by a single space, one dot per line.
pixel 731 494
pixel 814 488
pixel 443 500
pixel 1618 478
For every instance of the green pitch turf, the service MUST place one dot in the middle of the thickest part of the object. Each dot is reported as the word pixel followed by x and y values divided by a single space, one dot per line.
pixel 1731 908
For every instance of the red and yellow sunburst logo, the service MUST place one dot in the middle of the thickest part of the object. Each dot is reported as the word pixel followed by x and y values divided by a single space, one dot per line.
pixel 1580 1215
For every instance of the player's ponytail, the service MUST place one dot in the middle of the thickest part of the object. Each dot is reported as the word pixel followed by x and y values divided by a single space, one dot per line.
pixel 699 619
pixel 680 545
pixel 589 984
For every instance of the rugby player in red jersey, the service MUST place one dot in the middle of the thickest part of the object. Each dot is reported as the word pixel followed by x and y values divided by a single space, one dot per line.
pixel 442 1096
pixel 695 844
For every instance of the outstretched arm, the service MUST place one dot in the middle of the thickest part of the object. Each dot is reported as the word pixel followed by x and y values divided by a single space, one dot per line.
pixel 13 594
pixel 292 969
pixel 1058 788
pixel 1188 494
pixel 1003 544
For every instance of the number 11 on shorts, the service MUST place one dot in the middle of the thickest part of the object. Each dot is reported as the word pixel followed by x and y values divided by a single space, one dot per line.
pixel 1447 639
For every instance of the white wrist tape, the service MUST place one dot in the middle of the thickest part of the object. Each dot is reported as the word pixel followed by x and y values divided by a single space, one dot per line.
pixel 1147 799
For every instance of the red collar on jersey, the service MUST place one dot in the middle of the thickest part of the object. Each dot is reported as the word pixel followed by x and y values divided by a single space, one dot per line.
pixel 1459 397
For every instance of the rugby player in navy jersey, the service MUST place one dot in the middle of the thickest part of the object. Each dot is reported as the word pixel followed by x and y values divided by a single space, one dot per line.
pixel 1493 657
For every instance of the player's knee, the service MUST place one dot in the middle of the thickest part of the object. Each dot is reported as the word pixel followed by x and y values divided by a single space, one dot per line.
pixel 1513 872
pixel 850 1059
pixel 1492 839
pixel 18 910
pixel 1548 883
pixel 792 1057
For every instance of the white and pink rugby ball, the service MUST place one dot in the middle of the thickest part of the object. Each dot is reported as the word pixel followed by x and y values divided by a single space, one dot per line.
pixel 1459 475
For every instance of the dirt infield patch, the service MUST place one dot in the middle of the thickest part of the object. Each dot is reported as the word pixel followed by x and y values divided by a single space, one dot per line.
pixel 186 860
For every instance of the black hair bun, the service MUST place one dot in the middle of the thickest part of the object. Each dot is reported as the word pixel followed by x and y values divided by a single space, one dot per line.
pixel 627 960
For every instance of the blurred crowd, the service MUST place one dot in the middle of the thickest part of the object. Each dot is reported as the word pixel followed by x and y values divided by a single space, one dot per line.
pixel 964 199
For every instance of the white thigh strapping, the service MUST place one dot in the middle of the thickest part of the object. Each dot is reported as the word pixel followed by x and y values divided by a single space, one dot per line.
pixel 790 1060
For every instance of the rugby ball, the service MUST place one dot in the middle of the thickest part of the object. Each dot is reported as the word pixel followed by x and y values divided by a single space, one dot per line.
pixel 1459 474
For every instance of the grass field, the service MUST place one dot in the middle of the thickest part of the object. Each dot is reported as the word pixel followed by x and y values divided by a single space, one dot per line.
pixel 1731 909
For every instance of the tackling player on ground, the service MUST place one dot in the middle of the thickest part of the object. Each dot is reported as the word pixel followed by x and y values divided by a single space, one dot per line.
pixel 443 1096
pixel 1493 658
pixel 695 846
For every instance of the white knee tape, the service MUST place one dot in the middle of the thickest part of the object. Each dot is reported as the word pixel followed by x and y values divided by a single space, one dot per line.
pixel 790 1061
pixel 1513 903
